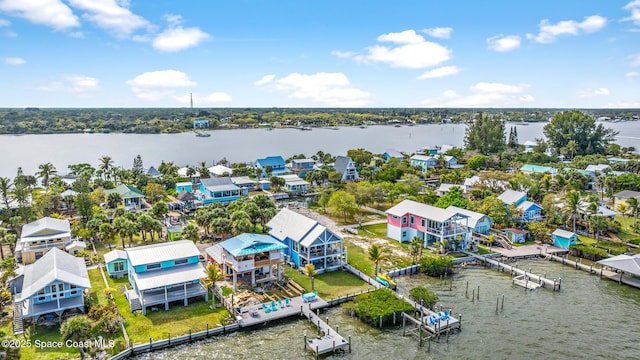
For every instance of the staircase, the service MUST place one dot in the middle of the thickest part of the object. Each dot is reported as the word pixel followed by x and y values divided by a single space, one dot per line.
pixel 17 319
pixel 503 241
pixel 135 304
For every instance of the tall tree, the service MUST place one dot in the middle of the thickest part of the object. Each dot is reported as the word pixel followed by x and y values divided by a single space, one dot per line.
pixel 343 203
pixel 572 205
pixel 138 166
pixel 214 275
pixel 575 125
pixel 633 204
pixel 376 254
pixel 106 165
pixel 78 329
pixel 45 173
pixel 485 134
pixel 5 191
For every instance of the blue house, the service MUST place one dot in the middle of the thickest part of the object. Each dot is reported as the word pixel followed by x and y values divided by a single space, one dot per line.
pixel 424 162
pixel 513 197
pixel 221 190
pixel 346 168
pixel 50 288
pixel 391 153
pixel 563 238
pixel 277 165
pixel 245 183
pixel 184 186
pixel 116 261
pixel 518 236
pixel 201 124
pixel 249 254
pixel 530 211
pixel 307 241
pixel 163 273
pixel 302 166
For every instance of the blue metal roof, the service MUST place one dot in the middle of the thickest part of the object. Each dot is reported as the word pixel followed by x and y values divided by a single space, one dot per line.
pixel 248 244
pixel 271 161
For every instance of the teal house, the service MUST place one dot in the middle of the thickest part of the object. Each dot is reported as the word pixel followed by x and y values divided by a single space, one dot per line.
pixel 116 262
pixel 563 238
pixel 423 161
pixel 184 186
pixel 538 169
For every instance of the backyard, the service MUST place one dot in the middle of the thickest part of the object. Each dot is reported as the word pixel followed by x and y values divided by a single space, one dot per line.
pixel 330 285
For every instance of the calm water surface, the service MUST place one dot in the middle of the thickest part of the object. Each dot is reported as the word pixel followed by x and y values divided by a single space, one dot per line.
pixel 590 318
pixel 28 151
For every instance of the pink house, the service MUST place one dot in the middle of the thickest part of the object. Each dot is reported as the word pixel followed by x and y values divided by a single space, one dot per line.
pixel 409 219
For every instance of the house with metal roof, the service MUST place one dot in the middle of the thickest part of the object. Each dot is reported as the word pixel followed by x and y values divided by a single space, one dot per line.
pixel 346 168
pixel 431 224
pixel 162 273
pixel 302 166
pixel 307 241
pixel 245 183
pixel 276 163
pixel 132 197
pixel 221 190
pixel 514 197
pixel 220 170
pixel 425 162
pixel 538 169
pixel 40 236
pixel 50 289
pixel 295 184
pixel 116 262
pixel 444 188
pixel 392 153
pixel 477 222
pixel 154 173
pixel 253 255
pixel 194 177
pixel 563 238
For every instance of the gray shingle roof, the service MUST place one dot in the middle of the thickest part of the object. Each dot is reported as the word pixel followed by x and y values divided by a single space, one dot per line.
pixel 55 265
pixel 341 163
pixel 161 252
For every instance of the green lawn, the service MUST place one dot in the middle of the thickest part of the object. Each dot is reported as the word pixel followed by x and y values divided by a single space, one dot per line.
pixel 359 259
pixel 376 230
pixel 329 285
pixel 97 286
pixel 627 232
pixel 159 324
pixel 613 248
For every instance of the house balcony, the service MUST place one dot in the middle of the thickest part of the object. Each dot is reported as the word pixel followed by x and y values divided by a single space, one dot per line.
pixel 267 262
pixel 30 247
pixel 320 254
pixel 175 293
pixel 447 230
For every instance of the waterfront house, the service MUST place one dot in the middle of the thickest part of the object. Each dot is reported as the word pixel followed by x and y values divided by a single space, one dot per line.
pixel 249 254
pixel 201 124
pixel 430 150
pixel 425 162
pixel 347 170
pixel 622 197
pixel 295 184
pixel 307 241
pixel 220 170
pixel 132 197
pixel 431 224
pixel 444 188
pixel 529 146
pixel 153 173
pixel 538 169
pixel 276 163
pixel 221 190
pixel 194 177
pixel 50 289
pixel 67 204
pixel 450 162
pixel 245 184
pixel 510 197
pixel 40 236
pixel 517 236
pixel 187 201
pixel 392 154
pixel 477 222
pixel 530 211
pixel 302 166
pixel 162 273
pixel 563 238
pixel 184 186
pixel 116 263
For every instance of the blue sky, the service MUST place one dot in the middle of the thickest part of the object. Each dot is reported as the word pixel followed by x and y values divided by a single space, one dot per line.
pixel 155 53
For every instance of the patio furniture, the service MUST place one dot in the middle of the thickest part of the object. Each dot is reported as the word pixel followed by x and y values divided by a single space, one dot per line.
pixel 280 304
pixel 286 301
pixel 266 309
pixel 309 297
pixel 273 306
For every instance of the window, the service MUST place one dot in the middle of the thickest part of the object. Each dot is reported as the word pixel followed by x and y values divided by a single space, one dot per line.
pixel 422 222
pixel 404 219
pixel 412 220
pixel 153 266
pixel 404 234
pixel 181 261
pixel 118 266
pixel 394 217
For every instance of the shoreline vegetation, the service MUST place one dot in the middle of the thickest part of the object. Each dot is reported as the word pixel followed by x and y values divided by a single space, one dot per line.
pixel 171 120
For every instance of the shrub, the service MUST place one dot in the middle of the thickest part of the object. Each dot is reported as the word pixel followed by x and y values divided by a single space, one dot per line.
pixel 380 303
pixel 436 265
pixel 587 252
pixel 424 296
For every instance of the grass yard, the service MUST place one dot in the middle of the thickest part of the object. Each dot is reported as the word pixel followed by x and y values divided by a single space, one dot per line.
pixel 375 231
pixel 159 324
pixel 329 285
pixel 613 248
pixel 359 259
pixel 627 232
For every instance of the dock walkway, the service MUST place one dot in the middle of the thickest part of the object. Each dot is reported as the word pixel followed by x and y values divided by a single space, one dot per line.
pixel 611 275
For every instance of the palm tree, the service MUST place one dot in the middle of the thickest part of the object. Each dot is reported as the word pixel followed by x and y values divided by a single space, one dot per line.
pixel 376 253
pixel 5 189
pixel 113 199
pixel 190 232
pixel 106 164
pixel 310 269
pixel 213 276
pixel 633 204
pixel 571 147
pixel 47 171
pixel 78 329
pixel 572 205
pixel 416 248
pixel 203 170
pixel 622 208
pixel 3 233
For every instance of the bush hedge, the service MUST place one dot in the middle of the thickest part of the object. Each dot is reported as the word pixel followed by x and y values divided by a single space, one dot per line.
pixel 436 265
pixel 379 303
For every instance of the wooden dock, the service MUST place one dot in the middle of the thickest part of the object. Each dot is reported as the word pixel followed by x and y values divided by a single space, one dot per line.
pixel 328 339
pixel 541 280
pixel 604 273
pixel 522 280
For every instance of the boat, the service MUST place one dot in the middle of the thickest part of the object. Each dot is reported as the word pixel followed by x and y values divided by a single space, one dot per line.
pixel 362 127
pixel 202 134
pixel 385 280
pixel 397 125
pixel 304 128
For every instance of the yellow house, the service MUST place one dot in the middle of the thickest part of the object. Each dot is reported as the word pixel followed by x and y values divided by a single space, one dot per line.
pixel 622 197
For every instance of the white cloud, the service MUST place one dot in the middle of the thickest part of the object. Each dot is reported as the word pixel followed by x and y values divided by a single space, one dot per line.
pixel 504 43
pixel 343 54
pixel 4 22
pixel 439 32
pixel 77 84
pixel 635 59
pixel 549 32
pixel 483 94
pixel 265 80
pixel 594 92
pixel 111 15
pixel 176 37
pixel 52 13
pixel 631 104
pixel 404 37
pixel 634 7
pixel 14 61
pixel 211 99
pixel 632 74
pixel 158 85
pixel 411 51
pixel 440 72
pixel 328 89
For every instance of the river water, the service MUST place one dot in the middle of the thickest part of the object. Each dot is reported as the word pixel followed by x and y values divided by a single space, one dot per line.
pixel 29 151
pixel 588 318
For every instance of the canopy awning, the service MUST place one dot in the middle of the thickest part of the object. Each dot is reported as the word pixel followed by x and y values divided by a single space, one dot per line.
pixel 628 264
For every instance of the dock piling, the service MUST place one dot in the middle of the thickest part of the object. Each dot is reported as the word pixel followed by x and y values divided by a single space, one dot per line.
pixel 349 343
pixel 497 302
pixel 502 306
pixel 466 291
pixel 460 321
pixel 478 294
pixel 305 341
pixel 404 324
pixel 473 296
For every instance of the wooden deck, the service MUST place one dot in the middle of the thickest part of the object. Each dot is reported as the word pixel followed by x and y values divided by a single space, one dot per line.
pixel 611 275
pixel 525 283
pixel 328 340
pixel 528 251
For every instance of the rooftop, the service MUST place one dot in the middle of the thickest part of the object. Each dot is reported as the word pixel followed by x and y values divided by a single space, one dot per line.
pixel 422 210
pixel 248 244
pixel 162 252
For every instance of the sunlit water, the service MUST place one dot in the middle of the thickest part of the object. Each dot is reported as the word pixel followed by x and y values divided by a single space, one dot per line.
pixel 590 318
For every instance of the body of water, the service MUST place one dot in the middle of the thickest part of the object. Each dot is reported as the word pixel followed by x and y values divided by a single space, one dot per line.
pixel 29 151
pixel 589 318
